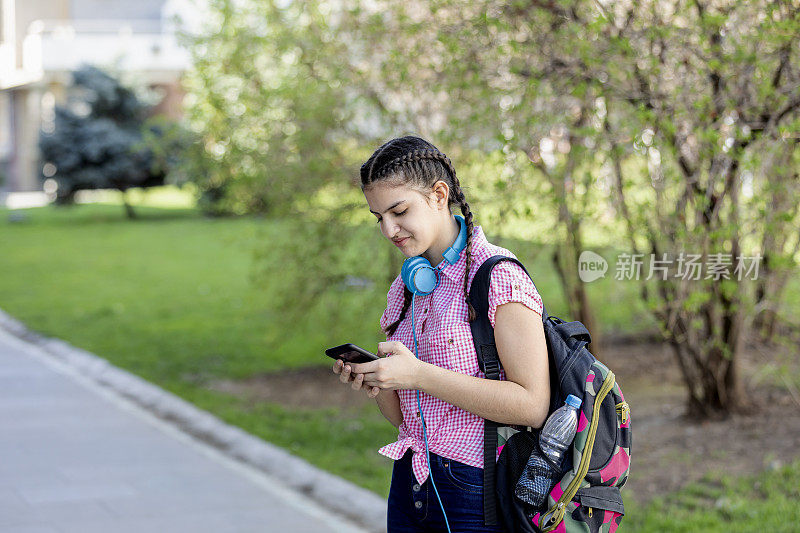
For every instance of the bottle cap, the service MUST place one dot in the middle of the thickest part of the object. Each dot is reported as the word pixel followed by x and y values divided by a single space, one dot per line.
pixel 574 401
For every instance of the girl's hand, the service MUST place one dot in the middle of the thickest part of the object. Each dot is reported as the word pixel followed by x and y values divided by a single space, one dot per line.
pixel 397 368
pixel 344 372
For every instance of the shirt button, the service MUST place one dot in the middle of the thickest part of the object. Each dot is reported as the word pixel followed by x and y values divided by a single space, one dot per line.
pixel 516 286
pixel 416 487
pixel 418 413
pixel 418 505
pixel 450 341
pixel 426 310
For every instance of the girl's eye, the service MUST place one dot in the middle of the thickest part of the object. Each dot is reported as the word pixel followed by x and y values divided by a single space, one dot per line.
pixel 398 214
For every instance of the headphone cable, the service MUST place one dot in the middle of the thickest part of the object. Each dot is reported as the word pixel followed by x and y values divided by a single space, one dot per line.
pixel 422 416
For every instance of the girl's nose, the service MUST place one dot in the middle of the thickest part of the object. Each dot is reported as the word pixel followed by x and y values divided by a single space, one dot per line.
pixel 392 230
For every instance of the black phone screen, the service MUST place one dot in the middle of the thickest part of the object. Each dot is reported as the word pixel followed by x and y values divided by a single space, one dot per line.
pixel 350 353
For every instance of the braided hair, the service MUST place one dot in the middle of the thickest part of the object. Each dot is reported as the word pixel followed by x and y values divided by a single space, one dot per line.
pixel 415 162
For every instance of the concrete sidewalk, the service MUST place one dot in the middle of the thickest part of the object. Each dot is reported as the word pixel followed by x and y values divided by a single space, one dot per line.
pixel 75 457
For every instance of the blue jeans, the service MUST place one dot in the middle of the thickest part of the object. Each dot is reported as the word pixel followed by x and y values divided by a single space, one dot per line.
pixel 415 508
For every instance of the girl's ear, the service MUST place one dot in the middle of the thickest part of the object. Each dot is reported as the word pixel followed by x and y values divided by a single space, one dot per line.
pixel 441 193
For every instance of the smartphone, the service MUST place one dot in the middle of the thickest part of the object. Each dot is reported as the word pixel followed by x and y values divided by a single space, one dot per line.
pixel 350 353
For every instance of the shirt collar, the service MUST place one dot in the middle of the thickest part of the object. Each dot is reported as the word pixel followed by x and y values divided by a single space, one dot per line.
pixel 456 271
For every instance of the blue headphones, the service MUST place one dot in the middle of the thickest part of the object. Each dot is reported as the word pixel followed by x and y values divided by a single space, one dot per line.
pixel 420 276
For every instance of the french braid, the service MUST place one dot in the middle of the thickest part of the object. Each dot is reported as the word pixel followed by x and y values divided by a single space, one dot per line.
pixel 417 162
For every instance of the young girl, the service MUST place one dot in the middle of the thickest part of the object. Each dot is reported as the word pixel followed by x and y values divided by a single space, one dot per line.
pixel 410 187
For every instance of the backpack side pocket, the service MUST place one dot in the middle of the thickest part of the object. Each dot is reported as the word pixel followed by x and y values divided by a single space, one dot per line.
pixel 601 509
pixel 513 514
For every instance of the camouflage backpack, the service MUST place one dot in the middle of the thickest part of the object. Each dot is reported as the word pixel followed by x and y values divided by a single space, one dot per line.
pixel 587 497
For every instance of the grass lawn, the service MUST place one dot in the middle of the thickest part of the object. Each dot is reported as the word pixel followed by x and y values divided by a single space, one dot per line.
pixel 169 297
pixel 720 503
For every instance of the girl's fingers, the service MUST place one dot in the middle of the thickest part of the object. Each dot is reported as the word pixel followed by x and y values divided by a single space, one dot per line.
pixel 344 377
pixel 356 381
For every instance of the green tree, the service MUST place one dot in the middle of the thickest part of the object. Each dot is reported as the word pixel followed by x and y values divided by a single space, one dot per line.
pixel 98 139
pixel 267 98
pixel 701 88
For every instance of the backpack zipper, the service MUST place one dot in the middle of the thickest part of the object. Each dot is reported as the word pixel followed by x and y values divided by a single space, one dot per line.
pixel 624 411
pixel 556 512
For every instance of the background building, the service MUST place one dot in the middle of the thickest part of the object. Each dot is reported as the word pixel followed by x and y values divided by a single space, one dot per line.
pixel 41 41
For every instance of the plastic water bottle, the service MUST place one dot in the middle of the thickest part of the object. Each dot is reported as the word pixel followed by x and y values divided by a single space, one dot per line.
pixel 559 430
pixel 540 474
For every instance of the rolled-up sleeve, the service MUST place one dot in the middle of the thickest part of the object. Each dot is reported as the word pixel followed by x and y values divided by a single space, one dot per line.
pixel 510 283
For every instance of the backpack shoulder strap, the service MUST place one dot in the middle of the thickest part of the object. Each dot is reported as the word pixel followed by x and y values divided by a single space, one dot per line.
pixel 482 331
pixel 483 337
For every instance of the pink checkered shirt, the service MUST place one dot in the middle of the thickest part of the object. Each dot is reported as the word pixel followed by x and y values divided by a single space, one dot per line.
pixel 444 339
